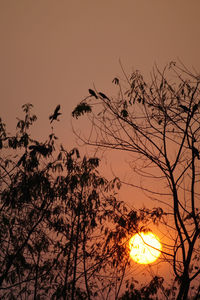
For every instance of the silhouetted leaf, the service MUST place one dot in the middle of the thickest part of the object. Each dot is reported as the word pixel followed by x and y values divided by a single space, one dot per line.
pixel 94 161
pixel 116 81
pixel 81 109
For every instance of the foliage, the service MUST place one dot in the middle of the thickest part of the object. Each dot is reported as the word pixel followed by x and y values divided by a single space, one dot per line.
pixel 144 293
pixel 62 225
pixel 81 109
pixel 158 122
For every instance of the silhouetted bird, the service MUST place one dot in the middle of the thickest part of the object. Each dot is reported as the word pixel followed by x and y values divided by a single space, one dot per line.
pixel 92 93
pixel 184 108
pixel 196 152
pixel 195 107
pixel 55 115
pixel 104 96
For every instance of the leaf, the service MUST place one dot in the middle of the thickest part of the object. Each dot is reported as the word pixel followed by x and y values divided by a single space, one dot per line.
pixel 94 161
pixel 77 153
pixel 21 124
pixel 26 107
pixel 93 223
pixel 59 156
pixel 13 142
pixel 24 140
pixel 122 222
pixel 81 109
pixel 115 81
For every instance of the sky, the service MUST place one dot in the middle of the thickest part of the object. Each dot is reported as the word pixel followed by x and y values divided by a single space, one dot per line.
pixel 53 51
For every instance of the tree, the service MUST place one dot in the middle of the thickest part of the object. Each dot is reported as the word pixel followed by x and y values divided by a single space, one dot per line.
pixel 159 123
pixel 27 195
pixel 87 206
pixel 59 218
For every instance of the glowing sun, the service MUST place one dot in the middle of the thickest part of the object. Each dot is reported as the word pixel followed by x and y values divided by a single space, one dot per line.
pixel 145 247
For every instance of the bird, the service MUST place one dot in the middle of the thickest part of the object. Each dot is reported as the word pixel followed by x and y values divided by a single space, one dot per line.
pixel 184 108
pixel 92 93
pixel 55 115
pixel 196 152
pixel 195 107
pixel 103 96
pixel 124 113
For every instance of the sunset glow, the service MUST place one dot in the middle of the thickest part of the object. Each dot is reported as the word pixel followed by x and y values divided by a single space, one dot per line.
pixel 145 248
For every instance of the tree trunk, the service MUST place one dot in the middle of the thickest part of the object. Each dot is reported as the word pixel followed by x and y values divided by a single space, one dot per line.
pixel 76 253
pixel 65 288
pixel 184 287
pixel 36 277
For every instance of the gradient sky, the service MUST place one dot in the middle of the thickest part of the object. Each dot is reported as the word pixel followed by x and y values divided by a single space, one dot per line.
pixel 52 51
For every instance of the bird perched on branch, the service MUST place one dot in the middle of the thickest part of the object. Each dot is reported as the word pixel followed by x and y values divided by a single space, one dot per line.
pixel 184 108
pixel 92 93
pixel 196 152
pixel 55 115
pixel 103 96
pixel 194 109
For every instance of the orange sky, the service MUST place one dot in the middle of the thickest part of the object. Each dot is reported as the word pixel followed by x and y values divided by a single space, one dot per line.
pixel 53 51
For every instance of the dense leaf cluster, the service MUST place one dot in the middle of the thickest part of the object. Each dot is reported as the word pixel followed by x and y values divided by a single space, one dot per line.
pixel 62 234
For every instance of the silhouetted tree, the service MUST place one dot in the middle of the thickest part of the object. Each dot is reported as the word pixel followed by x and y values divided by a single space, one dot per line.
pixel 27 195
pixel 60 236
pixel 159 123
pixel 84 207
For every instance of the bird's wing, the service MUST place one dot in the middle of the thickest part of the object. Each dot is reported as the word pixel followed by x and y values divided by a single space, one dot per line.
pixel 57 109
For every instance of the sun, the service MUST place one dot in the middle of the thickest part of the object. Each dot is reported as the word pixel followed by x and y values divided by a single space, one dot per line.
pixel 145 247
